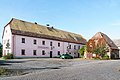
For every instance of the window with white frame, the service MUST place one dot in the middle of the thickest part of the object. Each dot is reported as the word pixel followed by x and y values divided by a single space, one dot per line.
pixel 43 42
pixel 34 52
pixel 34 41
pixel 23 52
pixel 58 52
pixel 43 52
pixel 23 40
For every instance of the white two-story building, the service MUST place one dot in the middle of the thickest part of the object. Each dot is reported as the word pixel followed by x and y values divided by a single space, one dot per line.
pixel 26 39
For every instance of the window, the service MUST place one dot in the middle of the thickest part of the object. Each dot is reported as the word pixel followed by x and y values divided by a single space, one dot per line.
pixel 58 44
pixel 43 52
pixel 58 52
pixel 34 52
pixel 7 51
pixel 69 46
pixel 43 42
pixel 50 43
pixel 23 40
pixel 7 44
pixel 74 53
pixel 74 46
pixel 23 52
pixel 35 41
pixel 78 47
pixel 70 53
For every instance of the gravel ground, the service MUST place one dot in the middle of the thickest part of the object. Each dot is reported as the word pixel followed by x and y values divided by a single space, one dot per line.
pixel 58 69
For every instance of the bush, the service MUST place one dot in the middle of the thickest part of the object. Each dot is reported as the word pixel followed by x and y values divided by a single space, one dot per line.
pixel 105 56
pixel 8 56
pixel 81 51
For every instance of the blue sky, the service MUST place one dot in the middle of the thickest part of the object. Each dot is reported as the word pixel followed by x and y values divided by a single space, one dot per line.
pixel 85 17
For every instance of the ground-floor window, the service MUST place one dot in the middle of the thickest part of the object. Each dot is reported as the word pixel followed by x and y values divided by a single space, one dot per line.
pixel 7 51
pixel 34 52
pixel 58 52
pixel 23 52
pixel 43 52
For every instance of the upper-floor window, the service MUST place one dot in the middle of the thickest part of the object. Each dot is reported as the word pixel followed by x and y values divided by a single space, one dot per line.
pixel 34 52
pixel 43 52
pixel 35 41
pixel 74 46
pixel 50 43
pixel 23 40
pixel 43 42
pixel 58 52
pixel 23 52
pixel 69 46
pixel 58 44
pixel 78 47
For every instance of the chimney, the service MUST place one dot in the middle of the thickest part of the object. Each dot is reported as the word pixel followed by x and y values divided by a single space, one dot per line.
pixel 52 27
pixel 35 22
pixel 47 25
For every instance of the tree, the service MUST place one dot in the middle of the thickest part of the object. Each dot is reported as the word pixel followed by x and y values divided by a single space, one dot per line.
pixel 82 50
pixel 100 50
pixel 0 50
